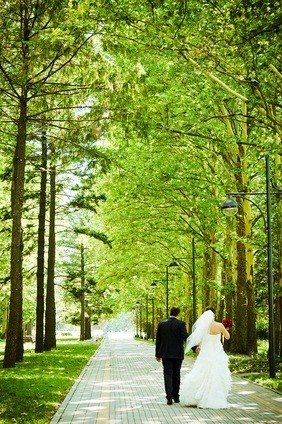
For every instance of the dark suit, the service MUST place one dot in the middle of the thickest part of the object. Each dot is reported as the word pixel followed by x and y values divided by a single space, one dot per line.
pixel 171 335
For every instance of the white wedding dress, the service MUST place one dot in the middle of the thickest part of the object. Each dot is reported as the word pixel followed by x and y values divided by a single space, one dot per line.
pixel 209 381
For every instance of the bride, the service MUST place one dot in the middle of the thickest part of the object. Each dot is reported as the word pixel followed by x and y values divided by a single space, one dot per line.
pixel 209 381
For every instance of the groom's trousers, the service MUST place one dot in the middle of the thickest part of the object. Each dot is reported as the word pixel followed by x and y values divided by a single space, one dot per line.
pixel 171 368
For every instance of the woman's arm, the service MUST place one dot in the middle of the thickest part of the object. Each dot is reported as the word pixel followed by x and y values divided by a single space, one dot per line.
pixel 225 332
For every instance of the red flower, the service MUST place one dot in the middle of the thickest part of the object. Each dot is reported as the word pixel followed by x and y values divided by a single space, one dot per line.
pixel 227 322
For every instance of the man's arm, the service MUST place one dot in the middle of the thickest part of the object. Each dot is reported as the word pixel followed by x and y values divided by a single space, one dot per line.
pixel 183 330
pixel 158 343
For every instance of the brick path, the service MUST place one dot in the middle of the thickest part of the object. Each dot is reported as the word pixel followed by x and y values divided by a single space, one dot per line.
pixel 123 384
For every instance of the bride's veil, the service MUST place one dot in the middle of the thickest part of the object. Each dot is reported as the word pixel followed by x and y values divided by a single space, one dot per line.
pixel 199 329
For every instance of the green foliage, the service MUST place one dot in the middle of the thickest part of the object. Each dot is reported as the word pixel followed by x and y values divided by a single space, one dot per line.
pixel 144 150
pixel 247 364
pixel 95 234
pixel 256 367
pixel 31 392
pixel 176 139
pixel 262 327
pixel 264 380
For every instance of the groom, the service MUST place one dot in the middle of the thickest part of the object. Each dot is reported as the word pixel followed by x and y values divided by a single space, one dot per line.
pixel 171 335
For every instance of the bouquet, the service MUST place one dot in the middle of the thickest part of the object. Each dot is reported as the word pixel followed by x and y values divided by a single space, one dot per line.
pixel 227 322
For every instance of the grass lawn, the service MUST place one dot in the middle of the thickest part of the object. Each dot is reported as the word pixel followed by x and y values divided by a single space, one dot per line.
pixel 32 391
pixel 256 367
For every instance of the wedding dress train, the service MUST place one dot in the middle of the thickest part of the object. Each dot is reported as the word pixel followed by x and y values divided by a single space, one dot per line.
pixel 209 381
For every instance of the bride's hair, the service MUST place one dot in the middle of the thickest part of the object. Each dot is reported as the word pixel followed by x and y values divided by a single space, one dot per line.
pixel 210 308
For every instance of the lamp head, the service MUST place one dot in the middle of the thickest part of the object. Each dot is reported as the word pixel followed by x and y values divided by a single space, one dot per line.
pixel 229 207
pixel 173 263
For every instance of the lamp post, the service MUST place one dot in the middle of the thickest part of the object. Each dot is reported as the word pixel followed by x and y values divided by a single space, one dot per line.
pixel 134 310
pixel 153 286
pixel 153 318
pixel 230 208
pixel 194 289
pixel 137 306
pixel 194 293
pixel 140 321
pixel 171 264
pixel 166 292
pixel 147 316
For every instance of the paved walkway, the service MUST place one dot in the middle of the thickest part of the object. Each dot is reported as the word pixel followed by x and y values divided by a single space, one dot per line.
pixel 123 384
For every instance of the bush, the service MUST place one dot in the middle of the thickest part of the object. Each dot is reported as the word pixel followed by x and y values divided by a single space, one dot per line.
pixel 262 328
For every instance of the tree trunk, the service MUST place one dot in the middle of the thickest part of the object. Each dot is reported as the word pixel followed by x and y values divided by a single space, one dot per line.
pixel 209 277
pixel 245 340
pixel 228 291
pixel 244 333
pixel 50 312
pixel 228 274
pixel 12 349
pixel 20 347
pixel 278 325
pixel 251 342
pixel 251 311
pixel 87 328
pixel 277 250
pixel 82 295
pixel 39 342
pixel 277 280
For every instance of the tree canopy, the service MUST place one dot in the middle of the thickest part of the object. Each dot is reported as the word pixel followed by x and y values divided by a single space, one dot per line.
pixel 150 113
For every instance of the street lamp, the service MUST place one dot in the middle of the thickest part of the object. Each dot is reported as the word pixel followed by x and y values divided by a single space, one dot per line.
pixel 147 316
pixel 171 264
pixel 137 306
pixel 194 292
pixel 140 321
pixel 153 286
pixel 230 208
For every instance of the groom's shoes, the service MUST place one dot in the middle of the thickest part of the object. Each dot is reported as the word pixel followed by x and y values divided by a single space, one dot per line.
pixel 171 401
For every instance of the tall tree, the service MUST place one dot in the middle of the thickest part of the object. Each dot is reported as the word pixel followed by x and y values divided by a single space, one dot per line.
pixel 29 70
pixel 234 66
pixel 50 310
pixel 82 294
pixel 39 339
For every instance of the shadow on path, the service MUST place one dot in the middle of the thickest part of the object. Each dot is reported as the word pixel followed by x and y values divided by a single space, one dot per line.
pixel 123 384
